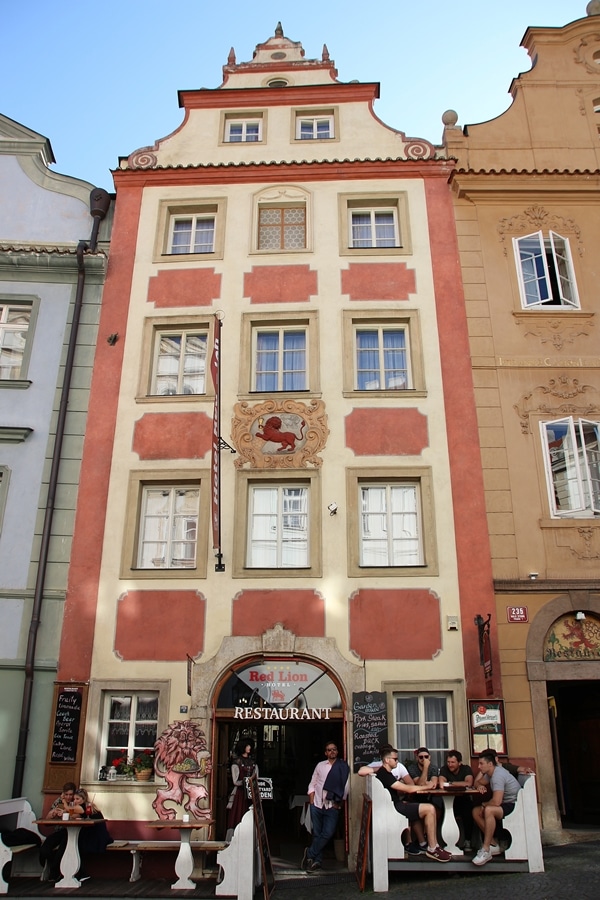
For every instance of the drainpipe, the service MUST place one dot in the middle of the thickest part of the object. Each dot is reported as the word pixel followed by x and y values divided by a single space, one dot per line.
pixel 99 204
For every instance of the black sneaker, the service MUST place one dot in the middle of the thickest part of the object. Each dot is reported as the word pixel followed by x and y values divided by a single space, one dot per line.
pixel 413 849
pixel 314 868
pixel 306 860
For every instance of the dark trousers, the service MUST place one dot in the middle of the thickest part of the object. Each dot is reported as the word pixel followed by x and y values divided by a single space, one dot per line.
pixel 324 823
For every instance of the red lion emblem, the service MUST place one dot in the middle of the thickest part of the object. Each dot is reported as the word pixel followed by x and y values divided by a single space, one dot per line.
pixel 271 431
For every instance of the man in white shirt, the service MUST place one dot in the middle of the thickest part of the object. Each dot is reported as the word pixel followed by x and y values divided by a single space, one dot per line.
pixel 327 790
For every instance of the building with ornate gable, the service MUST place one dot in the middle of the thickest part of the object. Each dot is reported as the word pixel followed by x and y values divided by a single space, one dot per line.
pixel 526 196
pixel 269 534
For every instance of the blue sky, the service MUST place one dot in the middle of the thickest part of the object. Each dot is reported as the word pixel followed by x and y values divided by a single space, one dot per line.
pixel 101 79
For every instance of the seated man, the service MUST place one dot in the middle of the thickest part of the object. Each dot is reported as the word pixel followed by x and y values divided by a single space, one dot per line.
pixel 504 789
pixel 418 814
pixel 459 775
pixel 400 773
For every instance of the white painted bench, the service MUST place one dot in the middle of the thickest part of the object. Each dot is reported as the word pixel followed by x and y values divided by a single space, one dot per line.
pixel 16 813
pixel 239 874
pixel 387 851
pixel 138 848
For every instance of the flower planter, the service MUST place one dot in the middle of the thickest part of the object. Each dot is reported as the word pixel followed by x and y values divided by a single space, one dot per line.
pixel 144 774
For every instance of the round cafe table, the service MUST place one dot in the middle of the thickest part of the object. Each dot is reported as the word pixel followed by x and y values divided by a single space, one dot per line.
pixel 450 829
pixel 184 864
pixel 71 860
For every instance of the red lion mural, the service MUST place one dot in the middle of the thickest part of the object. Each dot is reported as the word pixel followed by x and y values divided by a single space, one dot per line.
pixel 181 754
pixel 271 431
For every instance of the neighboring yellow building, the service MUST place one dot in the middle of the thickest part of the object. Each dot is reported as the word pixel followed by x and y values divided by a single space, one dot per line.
pixel 526 194
pixel 317 244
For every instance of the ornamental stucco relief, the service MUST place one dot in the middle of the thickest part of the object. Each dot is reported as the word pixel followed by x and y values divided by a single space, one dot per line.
pixel 279 434
pixel 561 396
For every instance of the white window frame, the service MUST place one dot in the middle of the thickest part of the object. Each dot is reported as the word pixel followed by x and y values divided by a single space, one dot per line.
pixel 407 492
pixel 314 120
pixel 178 377
pixel 579 459
pixel 420 732
pixel 174 521
pixel 381 330
pixel 540 287
pixel 373 241
pixel 282 371
pixel 244 123
pixel 193 219
pixel 4 480
pixel 109 752
pixel 285 511
pixel 14 303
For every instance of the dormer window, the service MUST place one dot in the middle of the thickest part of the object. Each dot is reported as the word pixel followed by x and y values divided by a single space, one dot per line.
pixel 277 82
pixel 318 126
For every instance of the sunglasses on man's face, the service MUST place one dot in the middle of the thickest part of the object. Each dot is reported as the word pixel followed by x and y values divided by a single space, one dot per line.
pixel 424 756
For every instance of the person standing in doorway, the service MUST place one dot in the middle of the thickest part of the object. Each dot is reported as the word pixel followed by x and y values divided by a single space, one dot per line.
pixel 327 790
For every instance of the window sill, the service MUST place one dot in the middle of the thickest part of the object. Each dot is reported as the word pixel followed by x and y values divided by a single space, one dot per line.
pixel 20 384
pixel 588 521
pixel 308 572
pixel 409 393
pixel 280 395
pixel 162 574
pixel 175 398
pixel 375 251
pixel 355 571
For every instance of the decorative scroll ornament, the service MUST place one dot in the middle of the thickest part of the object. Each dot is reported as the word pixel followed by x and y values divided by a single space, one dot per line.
pixel 562 396
pixel 419 149
pixel 585 53
pixel 556 328
pixel 142 158
pixel 279 434
pixel 536 218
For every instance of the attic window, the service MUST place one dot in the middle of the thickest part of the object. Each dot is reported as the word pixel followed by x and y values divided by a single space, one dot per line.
pixel 278 82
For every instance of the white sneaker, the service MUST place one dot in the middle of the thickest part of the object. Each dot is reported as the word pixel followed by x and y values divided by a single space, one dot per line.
pixel 495 849
pixel 483 857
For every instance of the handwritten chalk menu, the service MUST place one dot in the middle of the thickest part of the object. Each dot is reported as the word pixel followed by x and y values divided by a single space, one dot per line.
pixel 370 725
pixel 67 719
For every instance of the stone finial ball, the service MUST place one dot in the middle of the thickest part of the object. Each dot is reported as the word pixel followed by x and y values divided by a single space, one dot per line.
pixel 593 8
pixel 450 117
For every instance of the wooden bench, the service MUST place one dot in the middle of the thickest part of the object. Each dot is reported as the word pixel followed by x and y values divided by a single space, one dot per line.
pixel 387 851
pixel 138 848
pixel 16 813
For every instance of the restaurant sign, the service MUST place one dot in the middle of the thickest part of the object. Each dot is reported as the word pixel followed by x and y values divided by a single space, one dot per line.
pixel 279 683
pixel 289 714
pixel 573 638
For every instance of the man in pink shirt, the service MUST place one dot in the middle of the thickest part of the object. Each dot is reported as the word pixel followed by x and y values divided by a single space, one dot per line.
pixel 327 790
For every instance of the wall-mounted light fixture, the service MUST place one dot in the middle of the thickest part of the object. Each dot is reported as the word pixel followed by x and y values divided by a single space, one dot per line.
pixel 112 338
pixel 580 616
pixel 333 508
pixel 533 576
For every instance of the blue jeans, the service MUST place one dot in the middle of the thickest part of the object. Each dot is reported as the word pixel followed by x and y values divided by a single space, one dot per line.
pixel 324 823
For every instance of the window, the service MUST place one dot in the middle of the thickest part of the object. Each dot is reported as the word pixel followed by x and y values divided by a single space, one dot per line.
pixel 282 228
pixel 384 352
pixel 192 229
pixel 166 527
pixel 279 353
pixel 374 224
pixel 391 527
pixel 381 358
pixel 278 527
pixel 374 228
pixel 572 463
pixel 179 363
pixel 423 720
pixel 242 131
pixel 280 359
pixel 14 326
pixel 314 128
pixel 169 527
pixel 130 724
pixel 192 234
pixel 545 271
pixel 283 525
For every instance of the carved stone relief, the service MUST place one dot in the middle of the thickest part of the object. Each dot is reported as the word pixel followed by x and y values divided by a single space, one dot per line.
pixel 279 434
pixel 555 328
pixel 536 218
pixel 561 396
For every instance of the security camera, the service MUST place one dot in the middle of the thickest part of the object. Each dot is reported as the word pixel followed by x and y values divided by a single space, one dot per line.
pixel 333 508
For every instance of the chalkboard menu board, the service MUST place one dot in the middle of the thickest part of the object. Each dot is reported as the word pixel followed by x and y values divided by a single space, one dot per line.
pixel 370 726
pixel 67 719
pixel 268 876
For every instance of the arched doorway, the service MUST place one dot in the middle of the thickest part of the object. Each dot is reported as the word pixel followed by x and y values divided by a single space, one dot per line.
pixel 563 667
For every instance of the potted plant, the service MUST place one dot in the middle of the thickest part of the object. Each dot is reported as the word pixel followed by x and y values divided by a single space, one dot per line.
pixel 143 765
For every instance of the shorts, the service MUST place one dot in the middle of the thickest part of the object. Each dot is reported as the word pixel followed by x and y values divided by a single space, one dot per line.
pixel 410 810
pixel 507 808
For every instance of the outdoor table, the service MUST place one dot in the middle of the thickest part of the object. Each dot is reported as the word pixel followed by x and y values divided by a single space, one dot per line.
pixel 450 829
pixel 184 864
pixel 71 860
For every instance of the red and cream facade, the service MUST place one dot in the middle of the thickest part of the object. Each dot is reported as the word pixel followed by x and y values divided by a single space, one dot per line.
pixel 319 243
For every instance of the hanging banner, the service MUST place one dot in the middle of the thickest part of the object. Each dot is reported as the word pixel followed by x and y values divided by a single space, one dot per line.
pixel 216 434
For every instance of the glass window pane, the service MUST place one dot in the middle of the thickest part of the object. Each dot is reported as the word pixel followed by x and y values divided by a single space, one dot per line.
pixel 182 236
pixel 205 236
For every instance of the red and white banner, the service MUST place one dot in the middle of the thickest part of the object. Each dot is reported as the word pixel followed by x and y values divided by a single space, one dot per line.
pixel 216 434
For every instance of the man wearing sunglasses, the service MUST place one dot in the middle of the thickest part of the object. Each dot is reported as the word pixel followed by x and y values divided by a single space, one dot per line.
pixel 327 790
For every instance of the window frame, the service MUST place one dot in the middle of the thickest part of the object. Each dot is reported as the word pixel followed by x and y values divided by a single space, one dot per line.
pixel 32 303
pixel 374 201
pixel 246 481
pixel 282 197
pixel 255 322
pixel 419 475
pixel 132 536
pixel 94 748
pixel 4 483
pixel 424 737
pixel 581 483
pixel 563 272
pixel 179 376
pixel 409 321
pixel 245 117
pixel 314 116
pixel 154 327
pixel 170 211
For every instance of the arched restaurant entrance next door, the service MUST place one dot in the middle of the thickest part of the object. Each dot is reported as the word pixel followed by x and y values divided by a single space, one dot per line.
pixel 290 707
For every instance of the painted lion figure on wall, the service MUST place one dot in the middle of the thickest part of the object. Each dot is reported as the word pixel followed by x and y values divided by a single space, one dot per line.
pixel 271 431
pixel 180 755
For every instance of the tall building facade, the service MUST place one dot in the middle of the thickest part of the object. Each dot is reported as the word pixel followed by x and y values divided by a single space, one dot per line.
pixel 49 279
pixel 526 204
pixel 333 544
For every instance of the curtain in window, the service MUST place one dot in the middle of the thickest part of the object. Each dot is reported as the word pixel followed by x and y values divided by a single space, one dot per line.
pixel 279 527
pixel 286 372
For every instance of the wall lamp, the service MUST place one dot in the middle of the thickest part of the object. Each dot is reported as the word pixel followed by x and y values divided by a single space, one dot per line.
pixel 580 616
pixel 333 508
